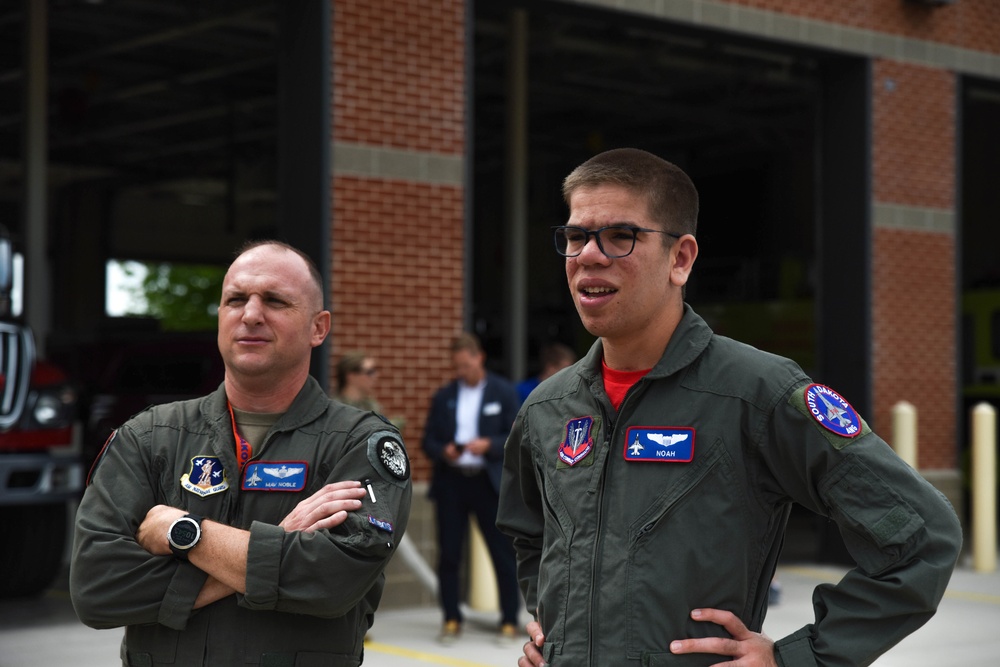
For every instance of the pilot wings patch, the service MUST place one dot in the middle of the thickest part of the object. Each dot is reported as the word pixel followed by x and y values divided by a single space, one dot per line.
pixel 665 444
pixel 275 476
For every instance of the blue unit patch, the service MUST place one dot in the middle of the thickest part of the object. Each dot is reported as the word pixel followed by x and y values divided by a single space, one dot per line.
pixel 275 476
pixel 380 524
pixel 578 442
pixel 205 477
pixel 663 444
pixel 831 411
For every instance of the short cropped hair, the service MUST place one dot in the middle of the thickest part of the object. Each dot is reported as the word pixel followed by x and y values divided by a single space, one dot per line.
pixel 671 196
pixel 314 273
pixel 352 362
pixel 468 342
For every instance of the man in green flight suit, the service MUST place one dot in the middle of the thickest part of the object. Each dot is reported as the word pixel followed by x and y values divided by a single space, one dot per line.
pixel 647 487
pixel 250 526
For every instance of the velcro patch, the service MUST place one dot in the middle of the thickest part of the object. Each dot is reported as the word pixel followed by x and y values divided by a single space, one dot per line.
pixel 275 476
pixel 662 444
pixel 388 456
pixel 205 477
pixel 839 423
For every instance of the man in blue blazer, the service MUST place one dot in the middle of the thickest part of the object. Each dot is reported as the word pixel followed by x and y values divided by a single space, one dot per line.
pixel 467 426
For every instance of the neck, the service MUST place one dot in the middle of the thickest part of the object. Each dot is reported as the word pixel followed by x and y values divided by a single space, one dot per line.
pixel 263 394
pixel 641 350
pixel 352 393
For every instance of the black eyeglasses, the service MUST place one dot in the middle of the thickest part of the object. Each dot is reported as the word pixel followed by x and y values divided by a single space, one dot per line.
pixel 615 242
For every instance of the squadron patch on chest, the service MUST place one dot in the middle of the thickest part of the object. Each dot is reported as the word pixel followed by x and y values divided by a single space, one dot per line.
pixel 578 443
pixel 661 444
pixel 206 476
pixel 275 476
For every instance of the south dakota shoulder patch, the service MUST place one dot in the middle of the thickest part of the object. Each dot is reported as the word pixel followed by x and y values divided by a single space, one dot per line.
pixel 839 422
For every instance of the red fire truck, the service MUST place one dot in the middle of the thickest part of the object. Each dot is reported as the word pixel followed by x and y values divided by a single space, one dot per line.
pixel 41 474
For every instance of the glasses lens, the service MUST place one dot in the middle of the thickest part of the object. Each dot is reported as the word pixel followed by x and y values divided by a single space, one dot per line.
pixel 569 241
pixel 613 241
pixel 617 241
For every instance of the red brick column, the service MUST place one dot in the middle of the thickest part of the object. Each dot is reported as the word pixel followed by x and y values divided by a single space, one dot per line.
pixel 397 244
pixel 913 301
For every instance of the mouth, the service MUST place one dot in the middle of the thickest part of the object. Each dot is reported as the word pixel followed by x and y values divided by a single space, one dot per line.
pixel 594 295
pixel 597 291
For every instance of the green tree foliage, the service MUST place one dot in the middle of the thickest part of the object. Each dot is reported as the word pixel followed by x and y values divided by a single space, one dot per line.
pixel 183 297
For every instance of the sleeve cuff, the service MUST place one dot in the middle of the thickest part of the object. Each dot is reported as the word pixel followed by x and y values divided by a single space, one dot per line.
pixel 795 650
pixel 263 565
pixel 178 602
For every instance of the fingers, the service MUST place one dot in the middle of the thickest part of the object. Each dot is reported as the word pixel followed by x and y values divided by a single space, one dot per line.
pixel 534 630
pixel 726 619
pixel 532 655
pixel 326 508
pixel 749 648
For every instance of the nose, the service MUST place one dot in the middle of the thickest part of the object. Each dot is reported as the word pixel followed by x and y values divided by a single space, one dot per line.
pixel 253 311
pixel 592 253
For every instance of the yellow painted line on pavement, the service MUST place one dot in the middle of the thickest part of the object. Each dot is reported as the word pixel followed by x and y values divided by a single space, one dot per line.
pixel 376 647
pixel 833 577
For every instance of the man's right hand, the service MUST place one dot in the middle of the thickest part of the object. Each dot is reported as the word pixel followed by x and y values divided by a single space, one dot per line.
pixel 532 648
pixel 327 508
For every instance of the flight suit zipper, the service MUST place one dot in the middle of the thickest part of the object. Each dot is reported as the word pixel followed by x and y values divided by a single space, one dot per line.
pixel 611 430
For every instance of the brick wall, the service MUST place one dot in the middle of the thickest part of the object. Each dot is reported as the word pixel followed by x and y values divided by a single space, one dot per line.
pixel 971 24
pixel 397 246
pixel 913 301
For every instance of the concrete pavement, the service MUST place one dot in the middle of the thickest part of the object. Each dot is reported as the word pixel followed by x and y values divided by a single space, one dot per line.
pixel 965 631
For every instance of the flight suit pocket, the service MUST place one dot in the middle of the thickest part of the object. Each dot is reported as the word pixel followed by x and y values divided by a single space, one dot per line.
pixel 699 516
pixel 875 521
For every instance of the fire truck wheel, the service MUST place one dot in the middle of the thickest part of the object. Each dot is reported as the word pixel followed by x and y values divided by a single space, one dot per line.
pixel 32 561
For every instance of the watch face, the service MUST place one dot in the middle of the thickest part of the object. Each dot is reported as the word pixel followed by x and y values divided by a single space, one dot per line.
pixel 184 532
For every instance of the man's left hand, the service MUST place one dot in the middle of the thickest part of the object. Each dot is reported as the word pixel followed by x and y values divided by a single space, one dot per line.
pixel 748 649
pixel 152 533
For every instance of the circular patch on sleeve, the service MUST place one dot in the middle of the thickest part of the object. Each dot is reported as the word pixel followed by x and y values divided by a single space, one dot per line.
pixel 392 456
pixel 831 411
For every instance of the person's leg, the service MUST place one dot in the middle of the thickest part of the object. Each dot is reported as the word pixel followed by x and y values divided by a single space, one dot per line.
pixel 452 524
pixel 501 550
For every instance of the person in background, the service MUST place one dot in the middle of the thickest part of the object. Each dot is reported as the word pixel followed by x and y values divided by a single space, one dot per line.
pixel 647 487
pixel 356 375
pixel 252 525
pixel 468 422
pixel 553 357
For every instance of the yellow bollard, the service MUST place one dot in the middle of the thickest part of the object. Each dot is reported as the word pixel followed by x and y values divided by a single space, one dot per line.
pixel 904 432
pixel 483 595
pixel 984 488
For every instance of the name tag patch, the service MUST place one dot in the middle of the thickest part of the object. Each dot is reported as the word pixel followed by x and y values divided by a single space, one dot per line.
pixel 275 476
pixel 663 444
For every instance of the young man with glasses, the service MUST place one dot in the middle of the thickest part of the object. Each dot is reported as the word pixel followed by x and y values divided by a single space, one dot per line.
pixel 647 487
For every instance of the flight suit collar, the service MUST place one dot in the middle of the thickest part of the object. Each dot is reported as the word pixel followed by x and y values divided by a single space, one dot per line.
pixel 688 341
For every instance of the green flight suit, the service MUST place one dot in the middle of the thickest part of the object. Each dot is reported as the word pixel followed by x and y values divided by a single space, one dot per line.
pixel 310 597
pixel 625 522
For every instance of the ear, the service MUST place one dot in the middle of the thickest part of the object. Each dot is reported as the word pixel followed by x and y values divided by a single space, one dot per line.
pixel 321 327
pixel 684 252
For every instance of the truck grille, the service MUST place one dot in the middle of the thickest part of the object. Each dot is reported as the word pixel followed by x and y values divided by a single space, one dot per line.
pixel 17 356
